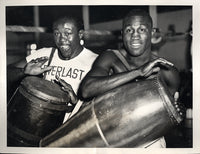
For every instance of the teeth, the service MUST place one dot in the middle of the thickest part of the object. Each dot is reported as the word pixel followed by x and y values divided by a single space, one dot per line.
pixel 136 44
pixel 64 46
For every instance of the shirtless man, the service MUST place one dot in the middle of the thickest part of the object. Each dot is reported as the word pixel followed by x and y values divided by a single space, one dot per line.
pixel 109 72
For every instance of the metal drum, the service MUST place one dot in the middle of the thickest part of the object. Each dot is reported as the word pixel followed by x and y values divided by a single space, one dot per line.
pixel 36 109
pixel 131 115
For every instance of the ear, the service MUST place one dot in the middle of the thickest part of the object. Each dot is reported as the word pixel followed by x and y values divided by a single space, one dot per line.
pixel 80 33
pixel 153 31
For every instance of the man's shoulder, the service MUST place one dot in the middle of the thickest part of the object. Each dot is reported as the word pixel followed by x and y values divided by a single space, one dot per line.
pixel 113 55
pixel 106 58
pixel 89 52
pixel 110 53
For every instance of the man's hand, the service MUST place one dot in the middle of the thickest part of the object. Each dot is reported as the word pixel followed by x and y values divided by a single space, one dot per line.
pixel 34 66
pixel 152 67
pixel 180 108
pixel 68 88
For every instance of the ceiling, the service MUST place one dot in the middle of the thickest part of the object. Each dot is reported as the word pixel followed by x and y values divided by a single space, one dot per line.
pixel 24 15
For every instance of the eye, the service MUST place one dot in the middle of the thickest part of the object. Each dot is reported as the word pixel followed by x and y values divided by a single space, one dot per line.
pixel 56 33
pixel 67 33
pixel 128 30
pixel 142 30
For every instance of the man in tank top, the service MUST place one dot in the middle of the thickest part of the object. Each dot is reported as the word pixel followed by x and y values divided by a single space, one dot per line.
pixel 132 63
pixel 68 63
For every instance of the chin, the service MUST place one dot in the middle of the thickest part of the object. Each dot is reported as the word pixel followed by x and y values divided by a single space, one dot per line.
pixel 66 56
pixel 135 52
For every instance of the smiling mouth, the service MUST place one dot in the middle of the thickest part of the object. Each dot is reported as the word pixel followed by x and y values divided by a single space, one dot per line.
pixel 65 47
pixel 135 45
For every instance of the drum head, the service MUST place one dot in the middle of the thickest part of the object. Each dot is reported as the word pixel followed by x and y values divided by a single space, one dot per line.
pixel 45 89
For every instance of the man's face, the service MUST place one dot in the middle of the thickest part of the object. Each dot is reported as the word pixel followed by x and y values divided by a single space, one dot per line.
pixel 66 38
pixel 137 35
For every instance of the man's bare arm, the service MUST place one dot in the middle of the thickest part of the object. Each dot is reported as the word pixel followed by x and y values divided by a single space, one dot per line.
pixel 172 79
pixel 21 69
pixel 98 81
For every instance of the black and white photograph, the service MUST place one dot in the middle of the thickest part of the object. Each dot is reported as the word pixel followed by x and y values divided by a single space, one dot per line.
pixel 100 77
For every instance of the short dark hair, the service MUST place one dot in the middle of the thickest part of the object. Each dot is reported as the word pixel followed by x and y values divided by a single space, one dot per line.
pixel 138 12
pixel 77 22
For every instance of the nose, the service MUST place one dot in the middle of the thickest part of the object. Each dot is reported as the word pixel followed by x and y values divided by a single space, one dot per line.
pixel 63 37
pixel 135 35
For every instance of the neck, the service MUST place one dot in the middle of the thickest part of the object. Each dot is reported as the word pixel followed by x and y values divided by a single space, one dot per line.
pixel 138 61
pixel 77 51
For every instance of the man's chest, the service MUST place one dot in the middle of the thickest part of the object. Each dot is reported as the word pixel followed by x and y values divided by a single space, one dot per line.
pixel 68 69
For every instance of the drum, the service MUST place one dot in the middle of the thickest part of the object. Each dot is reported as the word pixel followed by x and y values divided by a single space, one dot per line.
pixel 131 115
pixel 36 109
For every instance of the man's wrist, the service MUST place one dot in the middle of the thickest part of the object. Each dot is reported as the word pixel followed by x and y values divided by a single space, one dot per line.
pixel 24 74
pixel 73 98
pixel 136 73
pixel 22 71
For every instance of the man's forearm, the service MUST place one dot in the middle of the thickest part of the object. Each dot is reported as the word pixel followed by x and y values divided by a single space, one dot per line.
pixel 93 86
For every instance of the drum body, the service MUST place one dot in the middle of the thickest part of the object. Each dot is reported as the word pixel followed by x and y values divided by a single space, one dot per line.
pixel 131 115
pixel 37 108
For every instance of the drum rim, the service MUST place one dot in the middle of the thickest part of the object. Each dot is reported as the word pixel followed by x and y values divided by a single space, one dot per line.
pixel 168 102
pixel 42 102
pixel 63 98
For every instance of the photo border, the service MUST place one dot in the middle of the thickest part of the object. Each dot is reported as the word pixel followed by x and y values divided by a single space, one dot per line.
pixel 196 76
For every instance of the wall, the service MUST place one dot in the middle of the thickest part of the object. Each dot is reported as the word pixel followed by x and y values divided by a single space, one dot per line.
pixel 175 49
pixel 15 47
pixel 110 25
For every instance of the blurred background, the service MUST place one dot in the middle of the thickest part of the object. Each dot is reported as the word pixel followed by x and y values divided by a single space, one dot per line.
pixel 28 28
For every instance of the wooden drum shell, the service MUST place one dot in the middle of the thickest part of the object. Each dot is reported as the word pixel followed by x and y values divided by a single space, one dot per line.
pixel 131 115
pixel 35 111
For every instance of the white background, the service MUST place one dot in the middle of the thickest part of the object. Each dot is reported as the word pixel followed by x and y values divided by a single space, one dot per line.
pixel 196 77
